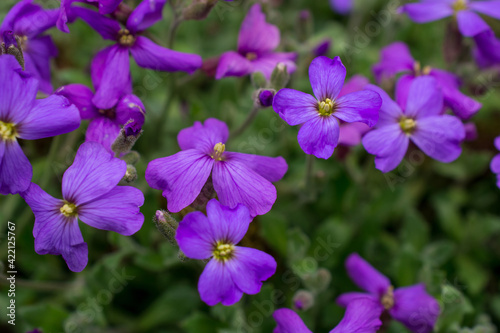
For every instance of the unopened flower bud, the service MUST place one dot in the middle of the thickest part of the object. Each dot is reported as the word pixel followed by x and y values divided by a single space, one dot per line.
pixel 130 174
pixel 322 48
pixel 318 281
pixel 303 300
pixel 12 44
pixel 305 25
pixel 132 158
pixel 198 10
pixel 166 225
pixel 280 76
pixel 127 137
pixel 258 80
pixel 264 97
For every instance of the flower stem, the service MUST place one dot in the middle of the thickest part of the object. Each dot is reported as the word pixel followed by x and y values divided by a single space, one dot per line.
pixel 246 123
pixel 172 32
pixel 309 193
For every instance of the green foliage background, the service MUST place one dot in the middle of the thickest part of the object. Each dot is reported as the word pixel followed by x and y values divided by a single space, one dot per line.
pixel 424 222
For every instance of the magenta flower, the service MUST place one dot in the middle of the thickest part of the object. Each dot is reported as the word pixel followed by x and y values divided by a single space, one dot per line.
pixel 361 316
pixel 90 195
pixel 419 120
pixel 22 116
pixel 232 270
pixel 111 66
pixel 495 163
pixel 343 7
pixel 237 178
pixel 29 21
pixel 396 58
pixel 104 125
pixel 256 42
pixel 412 305
pixel 465 11
pixel 321 113
pixel 65 14
pixel 487 50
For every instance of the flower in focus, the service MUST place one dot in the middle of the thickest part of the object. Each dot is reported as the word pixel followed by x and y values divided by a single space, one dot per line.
pixel 361 315
pixel 343 7
pixel 111 67
pixel 465 12
pixel 256 42
pixel 22 116
pixel 411 305
pixel 105 124
pixel 487 50
pixel 91 195
pixel 28 22
pixel 65 14
pixel 396 58
pixel 420 120
pixel 321 113
pixel 232 270
pixel 495 163
pixel 237 177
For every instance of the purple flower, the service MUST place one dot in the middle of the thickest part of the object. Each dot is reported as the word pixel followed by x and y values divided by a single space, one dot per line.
pixel 237 178
pixel 396 58
pixel 412 305
pixel 266 97
pixel 362 315
pixel 343 7
pixel 256 42
pixel 111 67
pixel 322 48
pixel 321 113
pixel 232 270
pixel 66 15
pixel 495 163
pixel 420 120
pixel 90 195
pixel 22 116
pixel 487 50
pixel 29 21
pixel 105 124
pixel 465 11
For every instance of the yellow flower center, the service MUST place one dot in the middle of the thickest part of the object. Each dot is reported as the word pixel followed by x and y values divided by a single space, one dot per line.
pixel 125 38
pixel 326 107
pixel 408 125
pixel 68 209
pixel 459 5
pixel 7 131
pixel 388 299
pixel 223 251
pixel 219 149
pixel 417 68
pixel 251 56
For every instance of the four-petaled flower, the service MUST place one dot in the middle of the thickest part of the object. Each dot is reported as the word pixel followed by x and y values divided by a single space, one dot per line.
pixel 232 270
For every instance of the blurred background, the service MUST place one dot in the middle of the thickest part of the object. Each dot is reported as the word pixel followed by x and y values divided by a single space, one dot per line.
pixel 424 222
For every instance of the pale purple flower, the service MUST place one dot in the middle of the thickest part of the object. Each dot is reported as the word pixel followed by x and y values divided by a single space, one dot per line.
pixel 105 125
pixel 91 195
pixel 237 177
pixel 418 120
pixel 361 316
pixel 487 50
pixel 321 113
pixel 111 67
pixel 22 116
pixel 232 270
pixel 29 21
pixel 256 43
pixel 396 58
pixel 343 7
pixel 411 305
pixel 495 163
pixel 466 13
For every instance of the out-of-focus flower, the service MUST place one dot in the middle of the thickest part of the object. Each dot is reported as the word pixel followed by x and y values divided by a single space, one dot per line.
pixel 90 194
pixel 256 42
pixel 22 116
pixel 411 305
pixel 111 67
pixel 396 58
pixel 420 120
pixel 465 12
pixel 343 7
pixel 495 163
pixel 361 315
pixel 487 50
pixel 237 178
pixel 322 48
pixel 321 113
pixel 470 132
pixel 232 270
pixel 28 22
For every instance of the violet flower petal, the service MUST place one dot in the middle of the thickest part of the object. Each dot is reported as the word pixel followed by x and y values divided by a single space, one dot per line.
pixel 147 13
pixel 295 107
pixel 81 97
pixel 203 137
pixel 216 286
pixel 390 112
pixel 361 106
pixel 15 168
pixel 490 8
pixel 355 83
pixel 425 98
pixel 266 63
pixel 327 77
pixel 256 35
pixel 346 298
pixel 105 26
pixel 470 23
pixel 195 236
pixel 319 136
pixel 343 7
pixel 37 59
pixel 394 58
pixel 104 131
pixel 271 168
pixel 366 276
pixel 228 224
pixel 233 64
pixel 362 315
pixel 289 322
pixel 389 145
pixel 428 11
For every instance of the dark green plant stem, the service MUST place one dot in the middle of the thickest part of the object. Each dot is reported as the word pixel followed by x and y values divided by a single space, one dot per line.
pixel 247 122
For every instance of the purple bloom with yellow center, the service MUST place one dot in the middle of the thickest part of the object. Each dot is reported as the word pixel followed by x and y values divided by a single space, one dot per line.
pixel 28 22
pixel 418 119
pixel 111 67
pixel 237 177
pixel 256 43
pixel 322 112
pixel 465 12
pixel 411 305
pixel 232 270
pixel 396 58
pixel 24 117
pixel 361 316
pixel 91 195
pixel 105 124
pixel 495 163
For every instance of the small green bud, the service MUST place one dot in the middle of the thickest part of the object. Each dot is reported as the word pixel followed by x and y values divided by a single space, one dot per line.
pixel 198 10
pixel 166 225
pixel 130 174
pixel 132 158
pixel 280 76
pixel 259 80
pixel 125 140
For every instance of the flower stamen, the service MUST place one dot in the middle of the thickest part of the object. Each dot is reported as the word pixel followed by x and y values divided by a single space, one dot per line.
pixel 459 5
pixel 407 125
pixel 125 38
pixel 388 299
pixel 68 209
pixel 251 56
pixel 219 149
pixel 223 251
pixel 326 107
pixel 7 131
